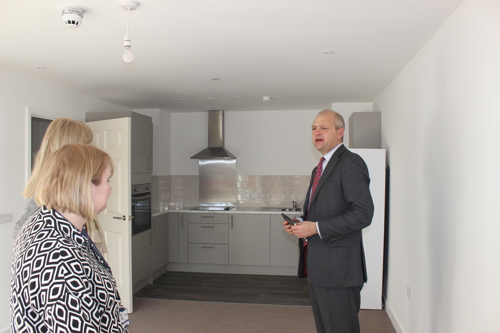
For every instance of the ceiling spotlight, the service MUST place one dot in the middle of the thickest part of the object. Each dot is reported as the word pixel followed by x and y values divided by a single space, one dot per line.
pixel 72 16
pixel 266 99
pixel 128 56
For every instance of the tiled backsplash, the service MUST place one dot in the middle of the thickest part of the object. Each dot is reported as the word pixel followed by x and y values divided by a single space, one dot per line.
pixel 181 192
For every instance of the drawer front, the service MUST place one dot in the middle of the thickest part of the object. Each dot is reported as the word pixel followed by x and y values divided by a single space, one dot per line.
pixel 208 254
pixel 208 233
pixel 208 218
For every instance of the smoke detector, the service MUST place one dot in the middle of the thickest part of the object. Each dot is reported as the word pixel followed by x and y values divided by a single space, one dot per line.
pixel 72 16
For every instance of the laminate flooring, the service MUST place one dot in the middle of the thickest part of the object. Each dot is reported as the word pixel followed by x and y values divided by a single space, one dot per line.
pixel 232 288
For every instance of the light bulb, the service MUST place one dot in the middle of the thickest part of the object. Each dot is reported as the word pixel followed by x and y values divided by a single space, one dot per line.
pixel 128 56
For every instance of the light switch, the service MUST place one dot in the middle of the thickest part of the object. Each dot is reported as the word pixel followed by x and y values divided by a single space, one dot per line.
pixel 5 218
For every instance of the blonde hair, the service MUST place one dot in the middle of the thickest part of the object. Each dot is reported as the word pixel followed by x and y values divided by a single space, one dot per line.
pixel 61 131
pixel 65 180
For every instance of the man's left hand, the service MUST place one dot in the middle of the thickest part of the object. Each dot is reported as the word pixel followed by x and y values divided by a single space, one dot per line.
pixel 304 229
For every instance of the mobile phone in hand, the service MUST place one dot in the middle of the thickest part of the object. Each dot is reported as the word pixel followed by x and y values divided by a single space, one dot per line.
pixel 288 219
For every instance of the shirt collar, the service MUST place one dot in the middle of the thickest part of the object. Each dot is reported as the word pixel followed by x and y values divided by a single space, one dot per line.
pixel 329 155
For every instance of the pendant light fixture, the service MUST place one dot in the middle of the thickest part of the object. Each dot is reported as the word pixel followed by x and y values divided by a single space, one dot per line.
pixel 128 56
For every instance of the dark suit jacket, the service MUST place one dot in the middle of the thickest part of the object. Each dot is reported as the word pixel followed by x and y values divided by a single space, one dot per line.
pixel 342 205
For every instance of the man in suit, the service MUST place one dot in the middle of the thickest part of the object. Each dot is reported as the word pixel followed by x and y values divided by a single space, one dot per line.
pixel 330 231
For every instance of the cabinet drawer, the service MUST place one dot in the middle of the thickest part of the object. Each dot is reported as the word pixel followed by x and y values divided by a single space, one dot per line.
pixel 208 218
pixel 208 254
pixel 208 233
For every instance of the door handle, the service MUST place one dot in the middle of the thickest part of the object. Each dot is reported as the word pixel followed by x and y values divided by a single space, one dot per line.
pixel 120 217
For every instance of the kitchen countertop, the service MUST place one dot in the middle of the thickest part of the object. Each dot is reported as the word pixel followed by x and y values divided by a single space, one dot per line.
pixel 235 210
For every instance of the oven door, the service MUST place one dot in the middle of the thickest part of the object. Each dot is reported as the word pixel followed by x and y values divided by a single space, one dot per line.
pixel 141 212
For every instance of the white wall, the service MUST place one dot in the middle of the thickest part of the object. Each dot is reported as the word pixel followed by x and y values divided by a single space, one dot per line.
pixel 264 142
pixel 17 94
pixel 440 121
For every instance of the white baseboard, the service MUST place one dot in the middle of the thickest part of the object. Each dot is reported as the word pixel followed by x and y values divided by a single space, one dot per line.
pixel 393 317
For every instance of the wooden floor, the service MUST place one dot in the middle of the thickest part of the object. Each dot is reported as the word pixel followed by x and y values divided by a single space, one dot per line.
pixel 235 288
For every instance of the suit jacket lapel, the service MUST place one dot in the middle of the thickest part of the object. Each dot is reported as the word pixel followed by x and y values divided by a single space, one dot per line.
pixel 332 163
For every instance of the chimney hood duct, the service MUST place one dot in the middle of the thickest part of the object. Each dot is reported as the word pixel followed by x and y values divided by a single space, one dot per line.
pixel 215 150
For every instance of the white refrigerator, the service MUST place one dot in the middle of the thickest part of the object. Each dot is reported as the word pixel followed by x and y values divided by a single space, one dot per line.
pixel 373 236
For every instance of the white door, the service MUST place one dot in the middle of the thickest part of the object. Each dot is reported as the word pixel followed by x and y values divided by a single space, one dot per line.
pixel 113 136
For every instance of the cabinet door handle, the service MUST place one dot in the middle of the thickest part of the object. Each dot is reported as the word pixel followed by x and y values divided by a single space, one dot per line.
pixel 207 216
pixel 231 221
pixel 208 226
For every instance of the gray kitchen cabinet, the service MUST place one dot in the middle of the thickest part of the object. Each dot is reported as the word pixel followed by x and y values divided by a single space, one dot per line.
pixel 159 241
pixel 173 237
pixel 183 238
pixel 211 233
pixel 177 238
pixel 208 254
pixel 284 247
pixel 141 256
pixel 141 137
pixel 208 237
pixel 249 240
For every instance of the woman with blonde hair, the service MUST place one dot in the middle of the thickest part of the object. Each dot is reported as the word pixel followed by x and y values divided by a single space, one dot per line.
pixel 60 282
pixel 60 132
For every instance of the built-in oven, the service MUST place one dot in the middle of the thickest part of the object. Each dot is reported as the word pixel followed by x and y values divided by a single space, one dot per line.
pixel 141 208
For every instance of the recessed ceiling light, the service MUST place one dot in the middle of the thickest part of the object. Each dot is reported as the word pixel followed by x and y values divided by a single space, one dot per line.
pixel 215 78
pixel 209 98
pixel 40 67
pixel 328 52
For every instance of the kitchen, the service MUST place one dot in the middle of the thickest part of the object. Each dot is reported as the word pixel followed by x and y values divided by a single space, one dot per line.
pixel 428 211
pixel 259 185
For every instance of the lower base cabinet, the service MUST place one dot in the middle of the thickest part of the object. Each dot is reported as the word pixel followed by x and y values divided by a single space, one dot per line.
pixel 142 249
pixel 208 254
pixel 244 243
pixel 249 240
pixel 284 247
pixel 159 235
pixel 150 249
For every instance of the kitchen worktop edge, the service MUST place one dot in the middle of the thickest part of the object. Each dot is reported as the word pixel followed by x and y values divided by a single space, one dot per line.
pixel 236 210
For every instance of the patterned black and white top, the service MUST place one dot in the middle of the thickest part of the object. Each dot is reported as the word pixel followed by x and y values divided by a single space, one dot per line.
pixel 58 284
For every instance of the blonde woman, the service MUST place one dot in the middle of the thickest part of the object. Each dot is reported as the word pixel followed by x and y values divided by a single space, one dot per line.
pixel 60 282
pixel 60 132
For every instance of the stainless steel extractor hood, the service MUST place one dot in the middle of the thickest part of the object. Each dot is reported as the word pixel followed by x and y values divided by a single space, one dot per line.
pixel 215 150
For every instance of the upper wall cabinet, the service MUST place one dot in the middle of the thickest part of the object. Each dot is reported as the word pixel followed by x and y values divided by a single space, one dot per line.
pixel 365 130
pixel 141 138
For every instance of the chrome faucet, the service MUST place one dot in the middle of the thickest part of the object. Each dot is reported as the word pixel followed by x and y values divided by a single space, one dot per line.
pixel 294 205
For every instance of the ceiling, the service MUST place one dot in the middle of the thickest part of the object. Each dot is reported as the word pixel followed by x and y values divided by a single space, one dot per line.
pixel 197 55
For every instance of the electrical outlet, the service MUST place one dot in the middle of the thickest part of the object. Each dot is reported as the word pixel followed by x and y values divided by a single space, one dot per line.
pixel 5 218
pixel 408 291
pixel 246 194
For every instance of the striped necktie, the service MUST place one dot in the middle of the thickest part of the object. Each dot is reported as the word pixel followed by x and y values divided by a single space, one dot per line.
pixel 317 177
